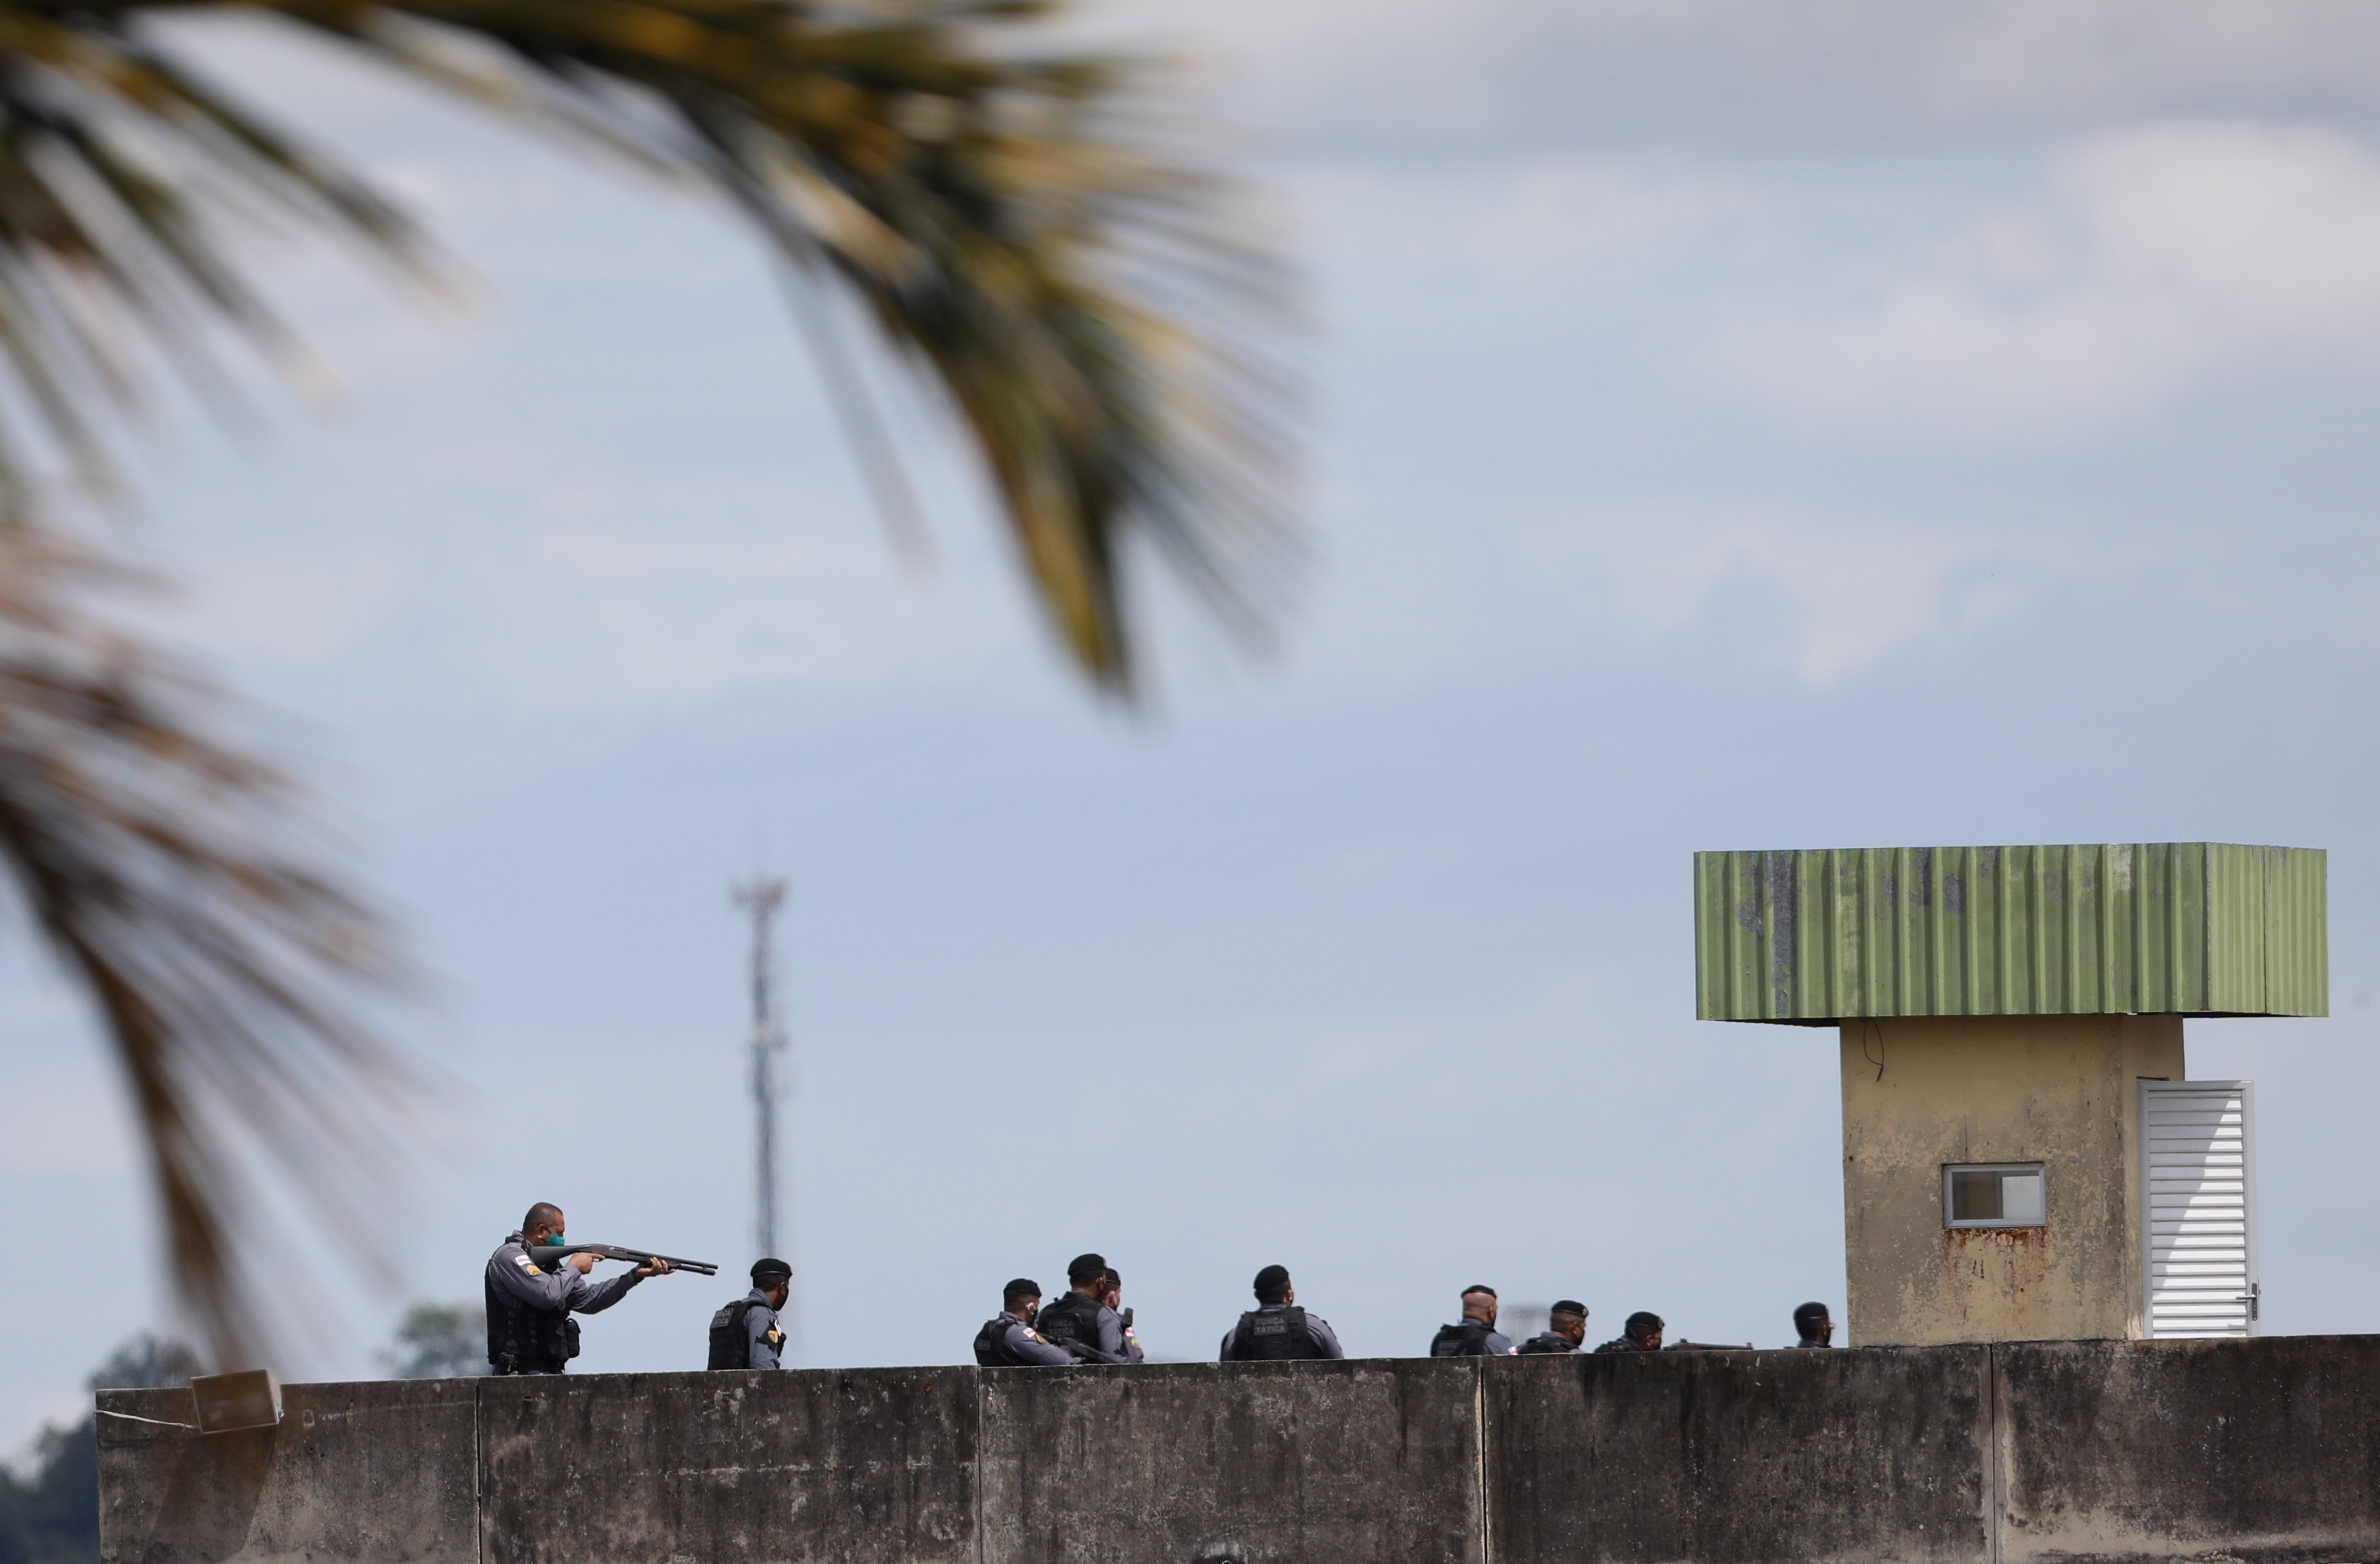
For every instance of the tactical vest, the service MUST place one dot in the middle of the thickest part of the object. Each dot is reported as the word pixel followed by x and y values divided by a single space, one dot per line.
pixel 1274 1336
pixel 521 1339
pixel 992 1349
pixel 731 1344
pixel 1548 1343
pixel 1075 1317
pixel 1467 1340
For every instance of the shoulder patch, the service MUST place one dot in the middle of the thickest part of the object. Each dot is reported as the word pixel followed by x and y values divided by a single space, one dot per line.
pixel 524 1262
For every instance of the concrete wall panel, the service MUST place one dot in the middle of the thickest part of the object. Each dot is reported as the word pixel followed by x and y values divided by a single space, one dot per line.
pixel 1196 1463
pixel 816 1465
pixel 1737 1458
pixel 378 1472
pixel 2254 1451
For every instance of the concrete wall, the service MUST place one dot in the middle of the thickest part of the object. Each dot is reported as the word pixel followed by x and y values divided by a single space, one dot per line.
pixel 2253 1452
pixel 1921 1093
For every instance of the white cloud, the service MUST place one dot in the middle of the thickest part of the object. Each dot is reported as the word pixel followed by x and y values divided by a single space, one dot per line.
pixel 2143 268
pixel 1829 595
pixel 1421 78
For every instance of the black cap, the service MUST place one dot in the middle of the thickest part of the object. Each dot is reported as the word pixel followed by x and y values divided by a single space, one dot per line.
pixel 1483 1287
pixel 765 1271
pixel 1809 1314
pixel 1023 1286
pixel 1271 1282
pixel 1086 1268
pixel 1642 1323
pixel 1568 1307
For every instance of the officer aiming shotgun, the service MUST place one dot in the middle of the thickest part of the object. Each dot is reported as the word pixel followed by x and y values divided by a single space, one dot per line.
pixel 537 1279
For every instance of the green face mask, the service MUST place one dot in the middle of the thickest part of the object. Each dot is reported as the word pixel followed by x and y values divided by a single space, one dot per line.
pixel 551 1241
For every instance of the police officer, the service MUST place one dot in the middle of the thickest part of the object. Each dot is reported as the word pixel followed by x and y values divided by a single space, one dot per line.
pixel 1474 1336
pixel 529 1302
pixel 1008 1339
pixel 1565 1332
pixel 1277 1329
pixel 1081 1319
pixel 1814 1325
pixel 748 1333
pixel 1113 1298
pixel 1641 1334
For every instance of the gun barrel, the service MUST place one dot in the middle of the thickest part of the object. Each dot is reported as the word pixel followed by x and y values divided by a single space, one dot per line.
pixel 634 1256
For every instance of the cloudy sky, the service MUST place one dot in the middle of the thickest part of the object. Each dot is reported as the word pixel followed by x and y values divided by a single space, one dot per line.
pixel 1735 424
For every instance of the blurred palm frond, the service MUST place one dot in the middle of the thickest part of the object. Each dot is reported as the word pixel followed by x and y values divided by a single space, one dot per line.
pixel 175 880
pixel 1009 220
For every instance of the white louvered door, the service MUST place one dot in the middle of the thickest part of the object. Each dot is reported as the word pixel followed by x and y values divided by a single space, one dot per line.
pixel 2198 1184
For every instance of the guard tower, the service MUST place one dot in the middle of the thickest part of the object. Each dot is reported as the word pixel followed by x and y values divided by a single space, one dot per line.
pixel 2025 1157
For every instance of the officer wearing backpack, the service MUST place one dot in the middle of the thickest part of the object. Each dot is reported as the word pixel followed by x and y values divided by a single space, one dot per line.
pixel 1277 1329
pixel 1473 1336
pixel 1082 1321
pixel 746 1333
pixel 1565 1330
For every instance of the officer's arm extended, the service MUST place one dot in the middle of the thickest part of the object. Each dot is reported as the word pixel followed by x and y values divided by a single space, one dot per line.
pixel 561 1287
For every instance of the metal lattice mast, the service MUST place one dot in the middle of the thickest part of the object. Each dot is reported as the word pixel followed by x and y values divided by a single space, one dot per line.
pixel 762 896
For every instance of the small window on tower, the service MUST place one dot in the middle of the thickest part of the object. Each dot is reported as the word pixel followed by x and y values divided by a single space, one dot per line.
pixel 1994 1195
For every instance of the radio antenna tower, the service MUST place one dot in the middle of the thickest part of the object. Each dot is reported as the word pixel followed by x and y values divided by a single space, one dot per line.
pixel 762 896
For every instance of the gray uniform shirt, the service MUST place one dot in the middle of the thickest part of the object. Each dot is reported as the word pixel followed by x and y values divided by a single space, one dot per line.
pixel 763 1334
pixel 556 1284
pixel 1324 1337
pixel 1111 1337
pixel 1025 1344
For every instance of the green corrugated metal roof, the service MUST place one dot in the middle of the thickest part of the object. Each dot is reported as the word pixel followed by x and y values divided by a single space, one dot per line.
pixel 2198 928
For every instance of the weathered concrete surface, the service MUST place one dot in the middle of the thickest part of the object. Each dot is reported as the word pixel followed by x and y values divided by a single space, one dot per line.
pixel 378 1470
pixel 2264 1451
pixel 1737 1458
pixel 1200 1463
pixel 2254 1451
pixel 818 1465
pixel 1922 1092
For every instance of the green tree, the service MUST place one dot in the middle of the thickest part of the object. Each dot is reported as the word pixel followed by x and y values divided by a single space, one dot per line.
pixel 51 1515
pixel 439 1341
pixel 1000 210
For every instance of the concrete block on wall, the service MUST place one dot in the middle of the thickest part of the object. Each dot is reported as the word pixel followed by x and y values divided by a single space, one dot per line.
pixel 1737 1458
pixel 825 1466
pixel 379 1472
pixel 2264 1451
pixel 1196 1464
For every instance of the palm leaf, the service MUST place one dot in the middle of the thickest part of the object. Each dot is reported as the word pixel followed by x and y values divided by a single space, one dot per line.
pixel 176 879
pixel 1008 224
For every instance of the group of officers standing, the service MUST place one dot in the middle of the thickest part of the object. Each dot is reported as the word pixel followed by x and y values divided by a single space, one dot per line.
pixel 533 1292
pixel 1090 1325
